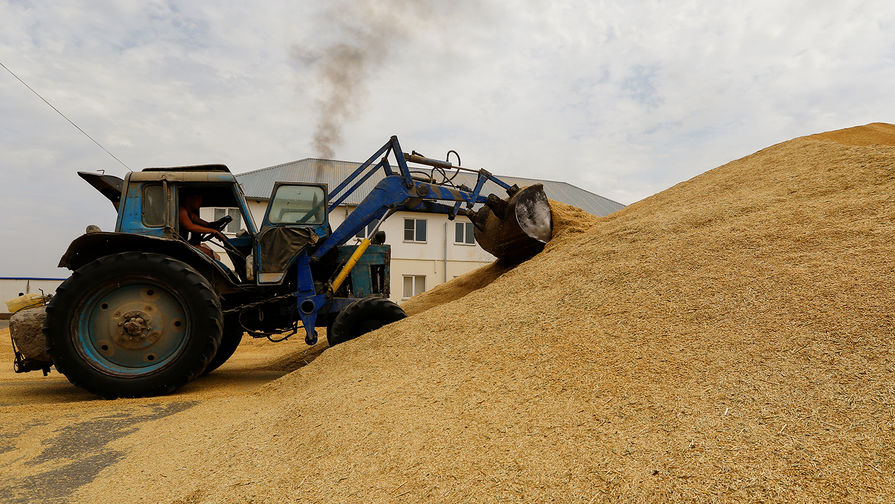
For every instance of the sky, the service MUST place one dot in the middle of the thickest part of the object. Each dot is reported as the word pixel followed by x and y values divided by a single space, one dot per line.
pixel 623 99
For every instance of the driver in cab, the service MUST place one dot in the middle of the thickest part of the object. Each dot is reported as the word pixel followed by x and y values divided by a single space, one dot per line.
pixel 190 221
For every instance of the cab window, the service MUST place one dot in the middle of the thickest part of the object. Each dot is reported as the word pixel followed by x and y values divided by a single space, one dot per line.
pixel 295 204
pixel 153 210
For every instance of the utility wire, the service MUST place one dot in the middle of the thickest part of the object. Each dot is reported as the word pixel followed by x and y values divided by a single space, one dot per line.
pixel 63 115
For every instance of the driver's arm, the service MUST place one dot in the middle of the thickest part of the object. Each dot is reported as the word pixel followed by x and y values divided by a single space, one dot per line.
pixel 201 222
pixel 188 222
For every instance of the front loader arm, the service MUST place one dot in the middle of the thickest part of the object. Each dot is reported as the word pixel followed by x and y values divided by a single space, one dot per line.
pixel 508 229
pixel 399 190
pixel 392 194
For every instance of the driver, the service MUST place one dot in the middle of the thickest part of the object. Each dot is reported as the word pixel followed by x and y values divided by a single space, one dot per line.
pixel 190 221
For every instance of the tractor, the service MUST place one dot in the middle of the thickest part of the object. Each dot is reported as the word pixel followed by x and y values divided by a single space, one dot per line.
pixel 146 311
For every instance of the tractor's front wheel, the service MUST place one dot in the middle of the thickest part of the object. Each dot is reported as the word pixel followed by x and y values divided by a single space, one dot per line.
pixel 363 316
pixel 133 324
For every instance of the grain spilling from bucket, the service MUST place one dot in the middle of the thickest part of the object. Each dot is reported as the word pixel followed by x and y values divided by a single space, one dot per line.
pixel 567 221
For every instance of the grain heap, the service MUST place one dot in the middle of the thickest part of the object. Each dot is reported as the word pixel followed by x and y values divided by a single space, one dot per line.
pixel 728 339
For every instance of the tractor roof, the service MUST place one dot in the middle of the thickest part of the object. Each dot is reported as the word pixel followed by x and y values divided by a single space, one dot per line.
pixel 197 173
pixel 194 168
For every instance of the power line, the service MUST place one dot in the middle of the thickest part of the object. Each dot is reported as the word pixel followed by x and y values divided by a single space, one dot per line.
pixel 63 115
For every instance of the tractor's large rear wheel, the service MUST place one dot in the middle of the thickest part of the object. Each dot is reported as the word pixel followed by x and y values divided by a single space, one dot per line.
pixel 133 324
pixel 363 316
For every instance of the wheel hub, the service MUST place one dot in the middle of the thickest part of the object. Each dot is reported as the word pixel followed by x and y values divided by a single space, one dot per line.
pixel 135 330
pixel 134 327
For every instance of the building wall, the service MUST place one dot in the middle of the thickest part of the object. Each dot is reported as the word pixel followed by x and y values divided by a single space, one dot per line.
pixel 439 258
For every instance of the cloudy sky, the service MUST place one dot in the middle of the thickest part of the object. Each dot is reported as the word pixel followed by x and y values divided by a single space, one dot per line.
pixel 621 98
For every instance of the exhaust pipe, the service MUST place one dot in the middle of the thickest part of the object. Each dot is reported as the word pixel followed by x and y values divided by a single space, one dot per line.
pixel 516 229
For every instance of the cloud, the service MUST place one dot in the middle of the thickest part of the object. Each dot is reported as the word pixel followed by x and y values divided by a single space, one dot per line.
pixel 621 98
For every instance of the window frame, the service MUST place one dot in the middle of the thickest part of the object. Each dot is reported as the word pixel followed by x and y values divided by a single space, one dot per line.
pixel 466 227
pixel 163 205
pixel 273 193
pixel 416 230
pixel 413 285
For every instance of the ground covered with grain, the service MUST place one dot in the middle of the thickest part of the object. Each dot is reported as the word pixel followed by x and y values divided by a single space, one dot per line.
pixel 731 339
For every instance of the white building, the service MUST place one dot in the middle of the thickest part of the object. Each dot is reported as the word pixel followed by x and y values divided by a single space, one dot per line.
pixel 427 249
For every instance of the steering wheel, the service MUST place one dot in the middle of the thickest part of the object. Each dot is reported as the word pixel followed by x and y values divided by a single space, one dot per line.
pixel 217 225
pixel 221 223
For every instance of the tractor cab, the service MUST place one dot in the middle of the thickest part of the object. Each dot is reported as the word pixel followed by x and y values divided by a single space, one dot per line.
pixel 149 204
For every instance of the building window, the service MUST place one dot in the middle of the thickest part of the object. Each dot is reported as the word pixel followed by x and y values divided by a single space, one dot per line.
pixel 463 233
pixel 366 231
pixel 235 225
pixel 415 230
pixel 413 285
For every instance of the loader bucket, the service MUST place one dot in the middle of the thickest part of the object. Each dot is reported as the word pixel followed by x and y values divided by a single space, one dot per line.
pixel 516 229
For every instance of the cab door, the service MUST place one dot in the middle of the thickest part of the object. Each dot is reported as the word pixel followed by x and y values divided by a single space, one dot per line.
pixel 295 219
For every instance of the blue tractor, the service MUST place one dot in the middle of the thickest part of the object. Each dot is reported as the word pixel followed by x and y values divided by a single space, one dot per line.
pixel 145 310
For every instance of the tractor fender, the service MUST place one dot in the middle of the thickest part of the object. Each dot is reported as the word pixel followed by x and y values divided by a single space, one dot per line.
pixel 91 246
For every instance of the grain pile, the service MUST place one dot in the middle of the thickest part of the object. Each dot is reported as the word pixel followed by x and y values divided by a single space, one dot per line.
pixel 730 339
pixel 869 134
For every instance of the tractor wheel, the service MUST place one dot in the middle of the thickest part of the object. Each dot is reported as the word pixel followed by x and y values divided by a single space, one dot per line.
pixel 133 324
pixel 230 339
pixel 361 317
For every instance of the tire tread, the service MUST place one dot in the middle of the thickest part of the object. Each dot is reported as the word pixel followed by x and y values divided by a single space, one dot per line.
pixel 346 325
pixel 66 298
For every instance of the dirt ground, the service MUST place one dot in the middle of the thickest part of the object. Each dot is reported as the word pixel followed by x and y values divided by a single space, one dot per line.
pixel 54 436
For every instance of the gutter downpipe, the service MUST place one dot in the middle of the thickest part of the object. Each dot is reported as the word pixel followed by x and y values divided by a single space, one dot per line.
pixel 444 255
